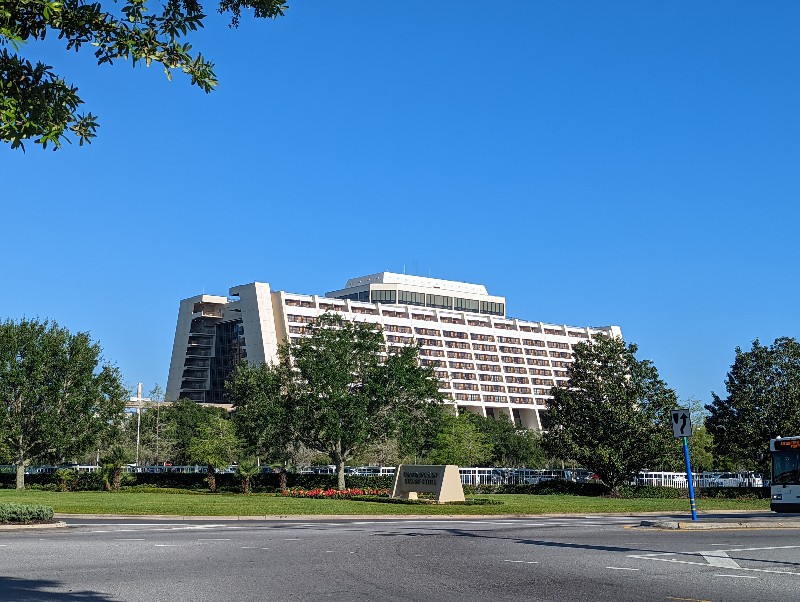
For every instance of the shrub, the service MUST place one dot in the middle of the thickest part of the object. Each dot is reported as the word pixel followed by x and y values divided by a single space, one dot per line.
pixel 335 494
pixel 24 513
pixel 647 491
pixel 734 493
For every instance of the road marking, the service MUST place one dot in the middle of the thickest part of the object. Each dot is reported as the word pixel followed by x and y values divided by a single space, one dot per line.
pixel 523 561
pixel 621 568
pixel 688 599
pixel 213 539
pixel 659 556
pixel 329 551
pixel 248 547
pixel 738 576
pixel 130 539
pixel 719 558
pixel 291 539
pixel 265 548
pixel 166 545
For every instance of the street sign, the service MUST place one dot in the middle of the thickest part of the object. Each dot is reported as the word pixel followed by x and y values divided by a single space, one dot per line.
pixel 681 423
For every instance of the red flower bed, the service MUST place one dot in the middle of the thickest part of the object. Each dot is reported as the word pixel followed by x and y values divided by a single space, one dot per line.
pixel 334 494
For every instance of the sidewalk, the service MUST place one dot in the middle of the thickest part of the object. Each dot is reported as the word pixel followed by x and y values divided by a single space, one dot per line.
pixel 769 521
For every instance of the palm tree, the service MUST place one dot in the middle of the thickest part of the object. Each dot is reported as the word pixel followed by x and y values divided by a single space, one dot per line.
pixel 115 459
pixel 246 470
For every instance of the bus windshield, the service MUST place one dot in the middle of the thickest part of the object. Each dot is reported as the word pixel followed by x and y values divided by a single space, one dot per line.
pixel 786 467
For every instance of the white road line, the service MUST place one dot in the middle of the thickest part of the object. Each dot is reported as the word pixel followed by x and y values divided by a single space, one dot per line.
pixel 166 545
pixel 621 568
pixel 130 539
pixel 738 576
pixel 265 548
pixel 654 557
pixel 291 539
pixel 248 547
pixel 523 561
pixel 719 558
pixel 213 539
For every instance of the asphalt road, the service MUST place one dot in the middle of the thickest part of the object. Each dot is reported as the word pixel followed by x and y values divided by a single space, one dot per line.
pixel 593 558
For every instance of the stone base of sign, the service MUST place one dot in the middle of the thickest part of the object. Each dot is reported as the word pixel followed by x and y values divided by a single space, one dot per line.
pixel 441 480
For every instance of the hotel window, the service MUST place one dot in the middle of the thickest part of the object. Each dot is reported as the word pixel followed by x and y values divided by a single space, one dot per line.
pixel 481 337
pixel 379 296
pixel 440 301
pixel 489 368
pixel 492 308
pixel 472 305
pixel 411 298
pixel 451 320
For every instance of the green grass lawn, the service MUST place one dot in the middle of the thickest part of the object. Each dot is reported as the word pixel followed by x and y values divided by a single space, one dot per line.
pixel 204 504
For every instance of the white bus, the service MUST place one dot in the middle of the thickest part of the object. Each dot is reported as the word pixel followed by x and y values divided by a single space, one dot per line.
pixel 785 485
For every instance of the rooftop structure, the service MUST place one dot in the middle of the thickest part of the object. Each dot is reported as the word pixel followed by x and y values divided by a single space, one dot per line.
pixel 486 363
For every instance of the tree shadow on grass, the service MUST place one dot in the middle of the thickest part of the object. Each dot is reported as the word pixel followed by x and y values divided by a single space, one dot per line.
pixel 44 590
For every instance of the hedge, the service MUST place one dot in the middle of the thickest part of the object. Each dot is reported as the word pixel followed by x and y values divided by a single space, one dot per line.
pixel 269 483
pixel 25 513
pixel 93 481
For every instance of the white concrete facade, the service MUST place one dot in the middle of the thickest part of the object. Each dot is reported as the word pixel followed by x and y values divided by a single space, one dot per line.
pixel 486 363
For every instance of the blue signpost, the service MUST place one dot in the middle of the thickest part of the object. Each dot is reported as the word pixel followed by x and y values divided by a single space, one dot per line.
pixel 682 427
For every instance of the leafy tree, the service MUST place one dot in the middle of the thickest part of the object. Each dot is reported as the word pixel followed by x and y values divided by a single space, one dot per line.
pixel 180 423
pixel 37 103
pixel 461 441
pixel 613 414
pixel 55 396
pixel 116 458
pixel 260 410
pixel 763 402
pixel 510 446
pixel 215 446
pixel 341 390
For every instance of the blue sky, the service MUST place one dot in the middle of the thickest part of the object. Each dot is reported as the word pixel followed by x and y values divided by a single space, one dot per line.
pixel 597 163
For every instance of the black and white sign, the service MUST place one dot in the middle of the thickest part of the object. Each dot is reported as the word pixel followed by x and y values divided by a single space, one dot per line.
pixel 681 423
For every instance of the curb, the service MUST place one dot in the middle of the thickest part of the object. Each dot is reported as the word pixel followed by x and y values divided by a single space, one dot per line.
pixel 355 517
pixel 54 525
pixel 692 526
